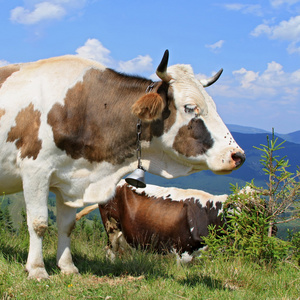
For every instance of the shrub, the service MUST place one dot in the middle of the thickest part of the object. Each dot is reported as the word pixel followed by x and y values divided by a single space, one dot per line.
pixel 251 213
pixel 245 232
pixel 294 239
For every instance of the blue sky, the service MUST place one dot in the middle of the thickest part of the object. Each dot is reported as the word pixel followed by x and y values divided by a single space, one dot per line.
pixel 256 42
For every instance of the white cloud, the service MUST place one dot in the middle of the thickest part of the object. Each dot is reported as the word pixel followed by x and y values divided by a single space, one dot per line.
pixel 216 46
pixel 136 65
pixel 285 30
pixel 93 49
pixel 246 78
pixel 293 48
pixel 272 82
pixel 36 11
pixel 234 6
pixel 277 3
pixel 266 99
pixel 3 62
pixel 42 11
pixel 254 9
pixel 261 29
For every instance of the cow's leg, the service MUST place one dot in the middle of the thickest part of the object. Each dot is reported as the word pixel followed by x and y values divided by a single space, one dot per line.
pixel 110 255
pixel 116 244
pixel 184 258
pixel 114 234
pixel 65 223
pixel 36 197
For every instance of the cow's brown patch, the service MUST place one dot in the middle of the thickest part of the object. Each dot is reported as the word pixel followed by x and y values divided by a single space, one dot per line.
pixel 96 122
pixel 6 72
pixel 40 227
pixel 26 131
pixel 2 112
pixel 193 139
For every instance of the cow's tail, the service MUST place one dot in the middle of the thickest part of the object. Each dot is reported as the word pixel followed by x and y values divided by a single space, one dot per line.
pixel 86 211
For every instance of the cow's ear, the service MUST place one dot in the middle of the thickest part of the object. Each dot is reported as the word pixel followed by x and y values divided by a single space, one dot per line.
pixel 149 107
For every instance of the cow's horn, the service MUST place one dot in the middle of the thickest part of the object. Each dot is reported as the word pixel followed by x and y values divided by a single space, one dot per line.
pixel 211 80
pixel 161 70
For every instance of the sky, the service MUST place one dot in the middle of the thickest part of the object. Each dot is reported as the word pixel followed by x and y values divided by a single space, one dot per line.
pixel 257 43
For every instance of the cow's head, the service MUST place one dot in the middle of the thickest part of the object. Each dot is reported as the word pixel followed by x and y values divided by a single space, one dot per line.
pixel 193 133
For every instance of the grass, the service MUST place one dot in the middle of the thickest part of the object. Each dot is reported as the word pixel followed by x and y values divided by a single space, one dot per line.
pixel 140 275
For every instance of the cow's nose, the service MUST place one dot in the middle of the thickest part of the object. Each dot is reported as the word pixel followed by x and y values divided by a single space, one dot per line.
pixel 239 158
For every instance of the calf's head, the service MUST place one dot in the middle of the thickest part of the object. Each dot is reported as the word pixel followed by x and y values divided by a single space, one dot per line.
pixel 185 124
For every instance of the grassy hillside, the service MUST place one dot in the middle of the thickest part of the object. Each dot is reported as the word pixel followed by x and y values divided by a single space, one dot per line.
pixel 140 275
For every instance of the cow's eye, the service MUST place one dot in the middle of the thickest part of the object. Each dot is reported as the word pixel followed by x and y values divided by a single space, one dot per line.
pixel 190 108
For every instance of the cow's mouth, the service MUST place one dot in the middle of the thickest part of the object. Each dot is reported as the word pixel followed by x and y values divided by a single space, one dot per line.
pixel 222 172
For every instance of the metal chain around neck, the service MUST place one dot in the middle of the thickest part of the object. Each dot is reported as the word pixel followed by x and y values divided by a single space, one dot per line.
pixel 138 143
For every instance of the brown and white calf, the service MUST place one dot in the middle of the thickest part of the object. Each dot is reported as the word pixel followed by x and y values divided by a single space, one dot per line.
pixel 68 125
pixel 159 218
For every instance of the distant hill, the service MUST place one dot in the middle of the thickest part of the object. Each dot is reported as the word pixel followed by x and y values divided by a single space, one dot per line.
pixel 245 129
pixel 293 137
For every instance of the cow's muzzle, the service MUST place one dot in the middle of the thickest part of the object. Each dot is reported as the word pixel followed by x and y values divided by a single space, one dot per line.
pixel 230 159
pixel 239 158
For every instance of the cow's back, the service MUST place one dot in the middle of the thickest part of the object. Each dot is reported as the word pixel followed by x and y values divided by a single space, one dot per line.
pixel 41 83
pixel 28 91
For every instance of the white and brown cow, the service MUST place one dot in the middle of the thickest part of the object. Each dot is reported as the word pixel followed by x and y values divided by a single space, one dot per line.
pixel 68 125
pixel 159 218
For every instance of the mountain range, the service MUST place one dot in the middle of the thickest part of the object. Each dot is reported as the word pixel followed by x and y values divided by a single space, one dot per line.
pixel 293 137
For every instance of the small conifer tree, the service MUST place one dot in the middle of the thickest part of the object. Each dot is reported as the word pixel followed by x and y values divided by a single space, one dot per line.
pixel 283 187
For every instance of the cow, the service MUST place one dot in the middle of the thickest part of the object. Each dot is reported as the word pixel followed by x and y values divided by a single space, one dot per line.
pixel 162 219
pixel 68 125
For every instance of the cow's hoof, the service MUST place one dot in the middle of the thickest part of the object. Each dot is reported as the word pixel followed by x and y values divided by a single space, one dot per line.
pixel 38 274
pixel 71 269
